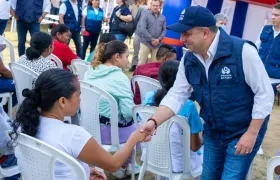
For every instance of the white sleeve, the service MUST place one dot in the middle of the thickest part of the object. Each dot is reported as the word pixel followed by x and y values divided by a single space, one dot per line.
pixel 257 78
pixel 178 94
pixel 62 9
pixel 79 140
pixel 84 12
pixel 258 41
pixel 14 4
pixel 47 6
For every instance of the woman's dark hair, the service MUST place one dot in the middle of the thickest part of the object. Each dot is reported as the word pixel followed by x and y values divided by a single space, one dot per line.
pixel 39 42
pixel 60 28
pixel 105 51
pixel 106 37
pixel 49 87
pixel 166 75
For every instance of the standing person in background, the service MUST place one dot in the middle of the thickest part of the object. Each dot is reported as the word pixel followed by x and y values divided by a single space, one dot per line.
pixel 29 15
pixel 153 28
pixel 221 20
pixel 55 6
pixel 5 6
pixel 137 11
pixel 70 14
pixel 120 13
pixel 92 19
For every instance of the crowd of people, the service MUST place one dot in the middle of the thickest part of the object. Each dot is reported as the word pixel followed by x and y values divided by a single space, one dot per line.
pixel 230 79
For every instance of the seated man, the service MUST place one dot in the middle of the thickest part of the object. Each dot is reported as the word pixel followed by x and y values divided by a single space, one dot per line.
pixel 6 80
pixel 164 53
pixel 7 158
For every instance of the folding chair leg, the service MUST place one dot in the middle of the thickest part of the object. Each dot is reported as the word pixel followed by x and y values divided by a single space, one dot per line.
pixel 142 172
pixel 133 164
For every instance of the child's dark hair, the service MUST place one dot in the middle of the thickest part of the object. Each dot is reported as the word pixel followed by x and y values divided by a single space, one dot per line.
pixel 60 28
pixel 166 75
pixel 49 87
pixel 39 42
pixel 106 37
pixel 105 51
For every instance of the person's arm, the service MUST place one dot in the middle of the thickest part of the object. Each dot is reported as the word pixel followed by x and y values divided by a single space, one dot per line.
pixel 84 19
pixel 93 154
pixel 172 102
pixel 62 11
pixel 257 78
pixel 125 15
pixel 144 24
pixel 162 35
pixel 13 9
pixel 4 71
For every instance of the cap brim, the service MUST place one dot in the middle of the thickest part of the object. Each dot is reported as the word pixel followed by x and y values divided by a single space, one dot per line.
pixel 178 27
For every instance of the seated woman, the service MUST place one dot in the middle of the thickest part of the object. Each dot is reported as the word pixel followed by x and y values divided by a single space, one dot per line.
pixel 107 73
pixel 167 75
pixel 56 95
pixel 61 36
pixel 36 56
pixel 104 38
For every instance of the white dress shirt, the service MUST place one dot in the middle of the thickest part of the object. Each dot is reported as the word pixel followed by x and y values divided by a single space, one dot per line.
pixel 46 5
pixel 255 76
pixel 5 9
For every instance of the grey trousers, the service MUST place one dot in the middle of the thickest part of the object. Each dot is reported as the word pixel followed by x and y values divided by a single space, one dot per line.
pixel 136 47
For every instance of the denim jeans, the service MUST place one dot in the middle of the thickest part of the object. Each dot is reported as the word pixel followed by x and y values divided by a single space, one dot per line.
pixel 22 28
pixel 120 37
pixel 6 85
pixel 75 35
pixel 11 161
pixel 3 24
pixel 221 162
pixel 92 40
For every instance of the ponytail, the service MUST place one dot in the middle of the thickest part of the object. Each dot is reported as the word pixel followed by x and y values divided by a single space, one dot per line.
pixel 159 96
pixel 99 55
pixel 32 53
pixel 28 115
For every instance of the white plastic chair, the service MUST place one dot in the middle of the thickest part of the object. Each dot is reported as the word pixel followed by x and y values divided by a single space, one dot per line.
pixel 89 106
pixel 158 157
pixel 146 84
pixel 10 46
pixel 57 61
pixel 79 67
pixel 36 159
pixel 7 97
pixel 23 77
pixel 271 165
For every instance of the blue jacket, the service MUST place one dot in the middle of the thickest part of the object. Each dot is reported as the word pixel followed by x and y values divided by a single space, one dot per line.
pixel 93 21
pixel 269 51
pixel 69 17
pixel 225 99
pixel 24 13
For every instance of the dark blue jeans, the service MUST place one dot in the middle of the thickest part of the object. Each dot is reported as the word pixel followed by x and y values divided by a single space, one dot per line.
pixel 221 162
pixel 75 35
pixel 11 161
pixel 6 85
pixel 22 28
pixel 92 40
pixel 3 24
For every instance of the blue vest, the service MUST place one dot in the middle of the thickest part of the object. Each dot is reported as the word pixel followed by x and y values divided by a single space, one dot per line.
pixel 93 21
pixel 70 18
pixel 225 99
pixel 29 11
pixel 269 51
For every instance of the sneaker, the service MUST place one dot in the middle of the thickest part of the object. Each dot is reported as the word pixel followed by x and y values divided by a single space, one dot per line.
pixel 136 169
pixel 120 173
pixel 132 69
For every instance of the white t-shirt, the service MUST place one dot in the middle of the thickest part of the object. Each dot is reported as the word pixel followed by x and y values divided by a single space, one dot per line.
pixel 63 9
pixel 68 138
pixel 5 9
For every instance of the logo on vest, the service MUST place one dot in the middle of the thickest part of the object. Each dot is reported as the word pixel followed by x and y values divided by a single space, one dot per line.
pixel 226 73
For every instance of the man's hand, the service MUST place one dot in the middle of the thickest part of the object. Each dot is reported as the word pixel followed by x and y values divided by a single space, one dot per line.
pixel 148 128
pixel 278 87
pixel 13 13
pixel 155 42
pixel 246 143
pixel 40 19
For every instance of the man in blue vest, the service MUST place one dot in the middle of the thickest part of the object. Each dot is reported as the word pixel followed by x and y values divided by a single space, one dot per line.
pixel 29 14
pixel 70 14
pixel 232 88
pixel 268 44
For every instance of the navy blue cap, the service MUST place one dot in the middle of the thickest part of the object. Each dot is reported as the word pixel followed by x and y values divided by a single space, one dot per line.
pixel 193 16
